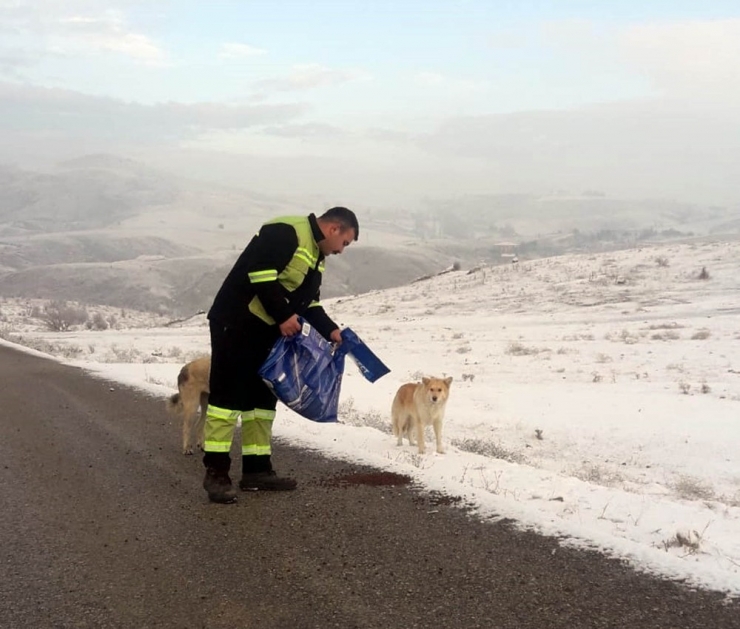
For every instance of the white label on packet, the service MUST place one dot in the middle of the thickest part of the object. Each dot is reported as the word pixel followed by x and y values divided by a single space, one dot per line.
pixel 306 329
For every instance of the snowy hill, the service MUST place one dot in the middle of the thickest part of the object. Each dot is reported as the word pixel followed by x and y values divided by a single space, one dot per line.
pixel 595 397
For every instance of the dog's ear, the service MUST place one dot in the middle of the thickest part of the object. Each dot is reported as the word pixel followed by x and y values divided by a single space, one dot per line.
pixel 425 381
pixel 448 381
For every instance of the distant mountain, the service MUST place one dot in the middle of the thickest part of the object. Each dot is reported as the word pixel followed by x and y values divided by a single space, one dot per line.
pixel 65 248
pixel 77 198
pixel 112 231
pixel 185 285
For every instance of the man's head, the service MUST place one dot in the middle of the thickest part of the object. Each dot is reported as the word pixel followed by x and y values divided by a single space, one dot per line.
pixel 340 228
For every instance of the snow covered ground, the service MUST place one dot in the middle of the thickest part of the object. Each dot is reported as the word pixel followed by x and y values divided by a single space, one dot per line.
pixel 595 397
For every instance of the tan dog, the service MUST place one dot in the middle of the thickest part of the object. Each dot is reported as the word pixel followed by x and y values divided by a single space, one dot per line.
pixel 418 405
pixel 193 389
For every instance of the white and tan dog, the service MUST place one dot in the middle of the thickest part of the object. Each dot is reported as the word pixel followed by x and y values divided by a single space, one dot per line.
pixel 418 405
pixel 192 392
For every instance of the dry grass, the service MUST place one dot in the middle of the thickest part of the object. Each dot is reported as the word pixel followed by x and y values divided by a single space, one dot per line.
pixel 623 336
pixel 70 351
pixel 665 326
pixel 691 488
pixel 349 415
pixel 598 475
pixel 515 348
pixel 668 335
pixel 578 337
pixel 488 448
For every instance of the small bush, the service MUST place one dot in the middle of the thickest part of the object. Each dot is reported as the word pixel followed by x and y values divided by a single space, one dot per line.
pixel 701 335
pixel 690 488
pixel 488 449
pixel 97 322
pixel 625 336
pixel 517 349
pixel 668 335
pixel 349 415
pixel 60 316
pixel 121 355
pixel 665 326
pixel 598 475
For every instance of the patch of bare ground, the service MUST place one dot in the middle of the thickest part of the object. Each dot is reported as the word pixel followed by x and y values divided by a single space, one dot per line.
pixel 374 479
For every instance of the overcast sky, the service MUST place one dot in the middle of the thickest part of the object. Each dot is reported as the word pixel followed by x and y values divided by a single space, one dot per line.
pixel 384 101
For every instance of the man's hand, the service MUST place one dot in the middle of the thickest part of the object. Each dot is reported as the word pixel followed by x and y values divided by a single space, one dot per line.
pixel 289 327
pixel 336 336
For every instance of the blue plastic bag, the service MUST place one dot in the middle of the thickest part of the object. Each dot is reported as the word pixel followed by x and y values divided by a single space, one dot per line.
pixel 370 366
pixel 305 374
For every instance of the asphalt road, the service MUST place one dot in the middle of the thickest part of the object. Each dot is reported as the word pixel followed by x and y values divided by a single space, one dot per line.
pixel 104 524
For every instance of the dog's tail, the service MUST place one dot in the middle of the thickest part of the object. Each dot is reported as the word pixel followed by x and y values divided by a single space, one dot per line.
pixel 174 404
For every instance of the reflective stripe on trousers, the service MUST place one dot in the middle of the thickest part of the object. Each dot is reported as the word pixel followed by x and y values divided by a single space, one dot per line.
pixel 256 430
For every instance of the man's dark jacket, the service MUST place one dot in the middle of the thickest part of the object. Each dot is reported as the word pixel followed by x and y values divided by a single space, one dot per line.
pixel 272 248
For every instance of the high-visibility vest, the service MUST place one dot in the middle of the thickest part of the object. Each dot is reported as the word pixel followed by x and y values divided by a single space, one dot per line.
pixel 304 260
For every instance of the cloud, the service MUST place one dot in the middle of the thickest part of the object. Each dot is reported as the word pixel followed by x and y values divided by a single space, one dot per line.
pixel 13 62
pixel 107 32
pixel 437 80
pixel 305 131
pixel 665 148
pixel 240 51
pixel 76 29
pixel 575 34
pixel 429 79
pixel 380 134
pixel 308 76
pixel 65 113
pixel 689 60
pixel 696 59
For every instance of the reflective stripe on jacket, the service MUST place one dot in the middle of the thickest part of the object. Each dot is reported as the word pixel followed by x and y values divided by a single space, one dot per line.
pixel 305 262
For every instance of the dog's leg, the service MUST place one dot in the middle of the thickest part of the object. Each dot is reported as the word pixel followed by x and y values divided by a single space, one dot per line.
pixel 200 426
pixel 189 408
pixel 411 430
pixel 438 435
pixel 420 435
pixel 186 447
pixel 397 428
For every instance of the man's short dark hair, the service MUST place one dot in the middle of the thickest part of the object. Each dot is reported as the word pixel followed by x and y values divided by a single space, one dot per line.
pixel 346 218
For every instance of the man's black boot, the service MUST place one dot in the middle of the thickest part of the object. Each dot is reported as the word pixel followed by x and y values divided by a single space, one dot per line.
pixel 217 482
pixel 258 475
